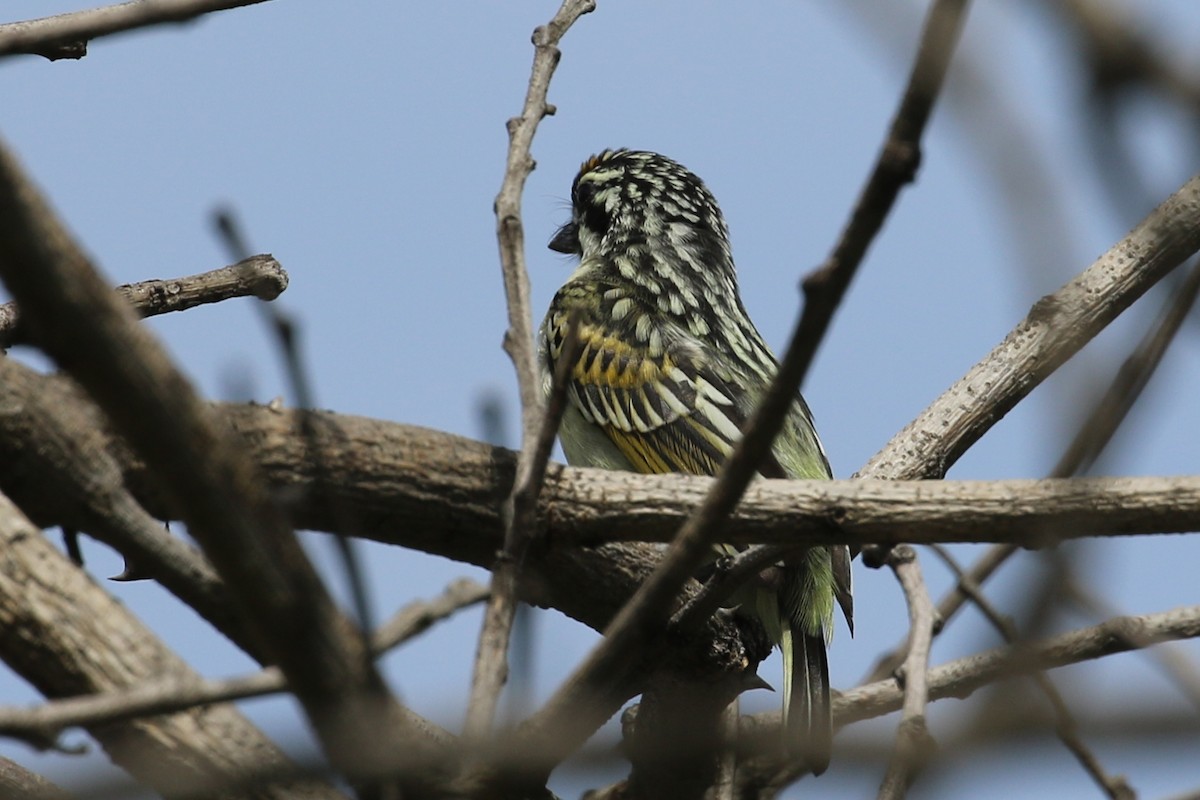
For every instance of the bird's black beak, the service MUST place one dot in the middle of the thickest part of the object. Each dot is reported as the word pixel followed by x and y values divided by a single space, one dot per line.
pixel 566 240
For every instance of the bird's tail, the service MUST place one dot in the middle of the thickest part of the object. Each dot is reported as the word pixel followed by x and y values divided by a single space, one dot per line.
pixel 807 722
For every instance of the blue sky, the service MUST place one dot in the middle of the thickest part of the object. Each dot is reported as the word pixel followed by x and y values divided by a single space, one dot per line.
pixel 363 144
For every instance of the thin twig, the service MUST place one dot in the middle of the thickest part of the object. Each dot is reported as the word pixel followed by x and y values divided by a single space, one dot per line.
pixel 491 660
pixel 67 35
pixel 286 333
pixel 1174 661
pixel 727 576
pixel 417 617
pixel 538 425
pixel 963 677
pixel 895 167
pixel 45 722
pixel 913 742
pixel 259 276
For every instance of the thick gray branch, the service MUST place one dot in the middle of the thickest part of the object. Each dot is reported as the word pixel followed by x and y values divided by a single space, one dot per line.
pixel 441 493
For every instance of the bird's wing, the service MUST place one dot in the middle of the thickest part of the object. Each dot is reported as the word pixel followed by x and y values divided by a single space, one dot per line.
pixel 674 407
pixel 665 402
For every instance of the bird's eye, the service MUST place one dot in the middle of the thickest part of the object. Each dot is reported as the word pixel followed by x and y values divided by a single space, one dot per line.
pixel 585 192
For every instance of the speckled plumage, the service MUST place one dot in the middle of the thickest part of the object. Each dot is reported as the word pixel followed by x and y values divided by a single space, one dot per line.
pixel 670 369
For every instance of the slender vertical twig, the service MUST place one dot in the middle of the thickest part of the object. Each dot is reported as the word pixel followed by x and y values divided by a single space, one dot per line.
pixel 913 742
pixel 491 661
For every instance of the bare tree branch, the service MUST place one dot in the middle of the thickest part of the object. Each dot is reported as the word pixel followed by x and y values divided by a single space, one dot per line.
pixel 761 766
pixel 1066 727
pixel 67 637
pixel 45 722
pixel 74 315
pixel 418 617
pixel 520 530
pixel 1057 326
pixel 1090 440
pixel 437 492
pixel 538 424
pixel 56 455
pixel 67 35
pixel 1030 513
pixel 1174 661
pixel 259 276
pixel 913 742
pixel 963 677
pixel 16 781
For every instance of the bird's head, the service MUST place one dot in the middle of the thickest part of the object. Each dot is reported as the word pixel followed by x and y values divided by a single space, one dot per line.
pixel 624 199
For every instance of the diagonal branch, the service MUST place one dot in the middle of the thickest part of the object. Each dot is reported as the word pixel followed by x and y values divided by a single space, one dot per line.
pixel 1055 329
pixel 16 781
pixel 67 35
pixel 1090 440
pixel 74 315
pixel 963 677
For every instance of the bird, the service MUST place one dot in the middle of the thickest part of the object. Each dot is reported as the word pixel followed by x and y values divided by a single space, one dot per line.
pixel 669 368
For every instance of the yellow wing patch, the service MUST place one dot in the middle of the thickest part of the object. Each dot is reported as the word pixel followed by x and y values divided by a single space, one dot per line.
pixel 610 362
pixel 666 412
